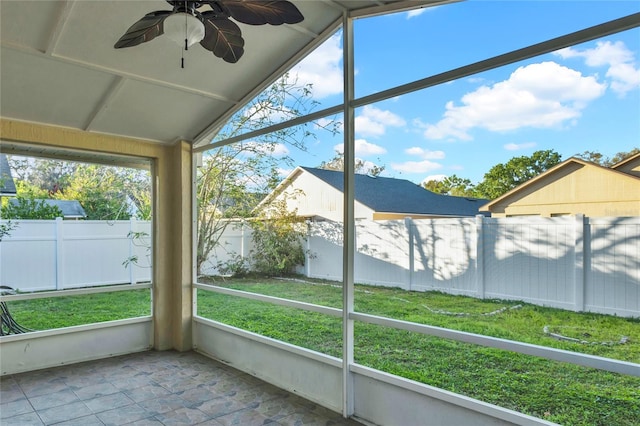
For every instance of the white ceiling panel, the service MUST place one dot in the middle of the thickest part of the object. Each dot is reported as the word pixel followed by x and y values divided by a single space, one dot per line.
pixel 143 110
pixel 59 67
pixel 35 88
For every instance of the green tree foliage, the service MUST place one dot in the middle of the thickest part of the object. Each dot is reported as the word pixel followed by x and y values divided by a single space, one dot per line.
pixel 598 158
pixel 26 208
pixel 105 192
pixel 451 185
pixel 278 235
pixel 110 193
pixel 234 178
pixel 360 166
pixel 45 176
pixel 502 178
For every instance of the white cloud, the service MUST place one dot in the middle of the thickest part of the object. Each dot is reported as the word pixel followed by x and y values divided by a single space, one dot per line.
pixel 416 166
pixel 619 60
pixel 437 178
pixel 322 68
pixel 519 146
pixel 539 95
pixel 363 148
pixel 373 121
pixel 284 172
pixel 425 153
pixel 415 12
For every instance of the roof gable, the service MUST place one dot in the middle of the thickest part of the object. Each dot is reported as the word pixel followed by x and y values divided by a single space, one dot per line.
pixel 554 175
pixel 7 185
pixel 391 195
pixel 630 165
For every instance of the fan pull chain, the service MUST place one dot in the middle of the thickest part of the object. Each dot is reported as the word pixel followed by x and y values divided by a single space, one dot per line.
pixel 186 42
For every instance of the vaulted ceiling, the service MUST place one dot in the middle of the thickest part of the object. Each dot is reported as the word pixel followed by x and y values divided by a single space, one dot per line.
pixel 58 66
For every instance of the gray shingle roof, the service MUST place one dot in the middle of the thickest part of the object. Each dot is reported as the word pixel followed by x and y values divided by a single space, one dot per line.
pixel 69 208
pixel 7 186
pixel 401 196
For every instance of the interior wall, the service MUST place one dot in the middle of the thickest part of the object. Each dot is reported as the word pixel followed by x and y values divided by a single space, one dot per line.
pixel 171 174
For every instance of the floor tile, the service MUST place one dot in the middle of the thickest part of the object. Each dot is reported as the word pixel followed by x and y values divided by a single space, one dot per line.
pixel 163 404
pixel 11 393
pixel 153 388
pixel 91 420
pixel 94 391
pixel 29 419
pixel 53 399
pixel 124 415
pixel 11 409
pixel 144 393
pixel 64 412
pixel 182 416
pixel 248 417
pixel 108 402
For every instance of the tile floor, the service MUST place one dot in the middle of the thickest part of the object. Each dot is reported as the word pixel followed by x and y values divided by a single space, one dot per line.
pixel 153 388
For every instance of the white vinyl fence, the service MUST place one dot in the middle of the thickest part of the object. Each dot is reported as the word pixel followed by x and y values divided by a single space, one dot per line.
pixel 58 254
pixel 575 263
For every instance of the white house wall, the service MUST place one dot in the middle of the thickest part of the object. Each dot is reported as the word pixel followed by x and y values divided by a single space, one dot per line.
pixel 311 196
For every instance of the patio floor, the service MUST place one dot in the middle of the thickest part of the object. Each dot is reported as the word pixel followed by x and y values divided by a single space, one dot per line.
pixel 153 388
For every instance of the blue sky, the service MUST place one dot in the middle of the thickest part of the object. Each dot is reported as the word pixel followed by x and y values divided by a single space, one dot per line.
pixel 583 98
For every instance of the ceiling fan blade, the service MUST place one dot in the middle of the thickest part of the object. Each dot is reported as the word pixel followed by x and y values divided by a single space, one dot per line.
pixel 222 37
pixel 275 12
pixel 146 29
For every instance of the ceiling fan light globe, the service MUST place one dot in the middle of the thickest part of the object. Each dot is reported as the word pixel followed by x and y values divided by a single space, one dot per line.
pixel 180 26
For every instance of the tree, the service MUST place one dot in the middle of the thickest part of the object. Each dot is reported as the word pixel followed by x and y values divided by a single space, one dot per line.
pixel 277 235
pixel 451 185
pixel 598 158
pixel 234 178
pixel 501 178
pixel 108 193
pixel 360 166
pixel 48 175
pixel 105 192
pixel 26 208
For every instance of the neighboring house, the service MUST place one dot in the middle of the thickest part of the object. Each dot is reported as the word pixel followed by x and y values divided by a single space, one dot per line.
pixel 319 193
pixel 575 186
pixel 71 209
pixel 7 185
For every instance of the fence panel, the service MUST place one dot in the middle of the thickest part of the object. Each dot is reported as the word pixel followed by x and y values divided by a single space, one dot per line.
pixel 445 255
pixel 28 256
pixel 530 259
pixel 324 247
pixel 381 256
pixel 235 241
pixel 613 267
pixel 56 254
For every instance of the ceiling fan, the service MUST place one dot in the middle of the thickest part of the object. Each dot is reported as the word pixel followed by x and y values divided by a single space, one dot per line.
pixel 212 28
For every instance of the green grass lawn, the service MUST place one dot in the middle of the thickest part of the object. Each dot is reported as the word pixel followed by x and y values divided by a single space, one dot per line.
pixel 555 391
pixel 67 311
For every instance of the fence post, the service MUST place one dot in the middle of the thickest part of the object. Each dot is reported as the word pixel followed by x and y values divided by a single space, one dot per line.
pixel 132 278
pixel 480 256
pixel 307 252
pixel 59 253
pixel 243 240
pixel 578 280
pixel 409 224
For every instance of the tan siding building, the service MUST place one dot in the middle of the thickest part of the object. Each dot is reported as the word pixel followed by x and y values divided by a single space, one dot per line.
pixel 574 187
